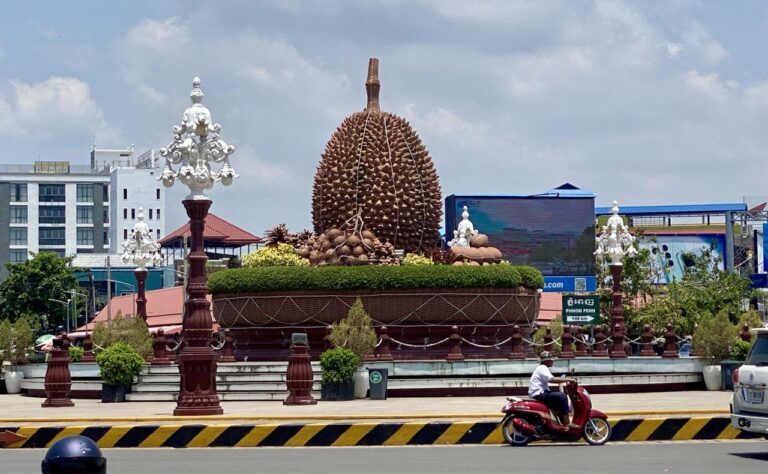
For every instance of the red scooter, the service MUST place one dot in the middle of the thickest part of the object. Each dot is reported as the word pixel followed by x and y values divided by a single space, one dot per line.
pixel 526 419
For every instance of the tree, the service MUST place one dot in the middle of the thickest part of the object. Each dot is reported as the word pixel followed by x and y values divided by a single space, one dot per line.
pixel 355 332
pixel 31 284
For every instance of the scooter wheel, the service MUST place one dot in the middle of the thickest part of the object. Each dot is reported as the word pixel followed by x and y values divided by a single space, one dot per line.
pixel 512 435
pixel 597 431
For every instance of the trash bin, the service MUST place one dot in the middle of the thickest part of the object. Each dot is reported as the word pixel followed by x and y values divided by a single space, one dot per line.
pixel 726 371
pixel 377 379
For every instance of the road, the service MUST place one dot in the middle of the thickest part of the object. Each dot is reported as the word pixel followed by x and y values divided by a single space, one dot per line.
pixel 702 457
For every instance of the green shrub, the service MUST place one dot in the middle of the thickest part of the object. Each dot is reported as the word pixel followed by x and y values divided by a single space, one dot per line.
pixel 713 337
pixel 17 340
pixel 338 365
pixel 556 325
pixel 132 331
pixel 119 364
pixel 372 277
pixel 282 255
pixel 355 332
pixel 740 349
pixel 76 353
pixel 416 259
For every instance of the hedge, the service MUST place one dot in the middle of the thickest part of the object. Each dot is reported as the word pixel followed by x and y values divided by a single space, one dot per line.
pixel 372 277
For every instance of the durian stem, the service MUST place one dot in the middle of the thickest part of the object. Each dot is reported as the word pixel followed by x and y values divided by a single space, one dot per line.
pixel 372 86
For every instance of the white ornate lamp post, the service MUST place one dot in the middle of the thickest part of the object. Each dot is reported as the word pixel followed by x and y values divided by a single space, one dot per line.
pixel 196 145
pixel 615 241
pixel 140 249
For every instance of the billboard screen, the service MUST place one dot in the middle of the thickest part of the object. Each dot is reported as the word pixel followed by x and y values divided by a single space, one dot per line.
pixel 670 253
pixel 555 235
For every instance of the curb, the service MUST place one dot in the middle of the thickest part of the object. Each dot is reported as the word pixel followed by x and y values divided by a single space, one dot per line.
pixel 301 418
pixel 357 434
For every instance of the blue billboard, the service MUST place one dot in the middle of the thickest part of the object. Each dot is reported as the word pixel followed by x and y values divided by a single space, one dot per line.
pixel 553 232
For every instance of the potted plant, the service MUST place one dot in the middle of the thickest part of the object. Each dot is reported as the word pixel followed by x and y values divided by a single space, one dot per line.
pixel 118 364
pixel 76 353
pixel 16 342
pixel 355 332
pixel 713 339
pixel 338 368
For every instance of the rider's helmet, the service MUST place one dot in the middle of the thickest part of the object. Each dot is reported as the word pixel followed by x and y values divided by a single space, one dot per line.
pixel 74 454
pixel 545 356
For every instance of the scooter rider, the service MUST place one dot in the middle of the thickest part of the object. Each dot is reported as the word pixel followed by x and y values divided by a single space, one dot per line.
pixel 538 388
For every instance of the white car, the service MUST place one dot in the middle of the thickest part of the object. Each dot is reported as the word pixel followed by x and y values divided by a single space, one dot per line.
pixel 749 405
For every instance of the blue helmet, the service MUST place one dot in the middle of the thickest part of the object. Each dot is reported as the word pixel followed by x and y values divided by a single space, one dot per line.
pixel 74 454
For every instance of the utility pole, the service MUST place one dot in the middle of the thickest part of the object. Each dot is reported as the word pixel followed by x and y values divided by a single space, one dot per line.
pixel 109 293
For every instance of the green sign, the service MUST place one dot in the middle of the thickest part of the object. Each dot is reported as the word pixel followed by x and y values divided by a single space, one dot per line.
pixel 376 377
pixel 581 310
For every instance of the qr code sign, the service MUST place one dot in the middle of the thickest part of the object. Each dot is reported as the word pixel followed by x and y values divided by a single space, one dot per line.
pixel 580 284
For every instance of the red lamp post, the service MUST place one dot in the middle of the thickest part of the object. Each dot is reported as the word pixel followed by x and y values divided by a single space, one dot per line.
pixel 141 249
pixel 196 145
pixel 615 241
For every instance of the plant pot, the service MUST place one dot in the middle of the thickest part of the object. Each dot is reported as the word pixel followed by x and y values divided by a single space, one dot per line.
pixel 112 393
pixel 361 383
pixel 712 377
pixel 337 391
pixel 13 382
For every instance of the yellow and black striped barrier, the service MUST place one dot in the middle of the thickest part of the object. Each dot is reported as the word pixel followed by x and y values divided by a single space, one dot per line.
pixel 355 434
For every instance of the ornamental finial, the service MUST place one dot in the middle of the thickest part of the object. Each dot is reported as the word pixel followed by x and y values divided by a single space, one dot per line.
pixel 197 94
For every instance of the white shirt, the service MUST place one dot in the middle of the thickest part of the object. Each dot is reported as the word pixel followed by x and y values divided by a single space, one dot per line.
pixel 539 380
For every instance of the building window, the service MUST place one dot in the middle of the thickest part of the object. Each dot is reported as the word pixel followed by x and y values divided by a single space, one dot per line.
pixel 84 215
pixel 18 214
pixel 84 236
pixel 52 192
pixel 84 193
pixel 106 239
pixel 125 213
pixel 125 193
pixel 158 213
pixel 105 193
pixel 18 192
pixel 52 236
pixel 106 215
pixel 18 236
pixel 125 234
pixel 52 215
pixel 18 255
pixel 150 212
pixel 84 250
pixel 133 213
pixel 157 193
pixel 59 252
pixel 158 234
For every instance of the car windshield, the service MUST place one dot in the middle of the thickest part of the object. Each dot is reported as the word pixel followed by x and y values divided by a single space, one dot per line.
pixel 759 353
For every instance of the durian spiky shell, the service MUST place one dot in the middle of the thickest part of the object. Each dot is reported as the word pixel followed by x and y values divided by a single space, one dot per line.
pixel 376 164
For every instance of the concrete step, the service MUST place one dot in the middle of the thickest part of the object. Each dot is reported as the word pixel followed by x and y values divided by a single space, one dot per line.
pixel 221 387
pixel 516 382
pixel 231 368
pixel 225 396
pixel 246 377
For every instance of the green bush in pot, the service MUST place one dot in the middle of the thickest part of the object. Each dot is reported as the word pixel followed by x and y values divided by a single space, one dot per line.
pixel 118 364
pixel 338 368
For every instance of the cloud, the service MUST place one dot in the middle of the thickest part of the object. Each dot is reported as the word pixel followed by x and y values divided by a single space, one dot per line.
pixel 58 107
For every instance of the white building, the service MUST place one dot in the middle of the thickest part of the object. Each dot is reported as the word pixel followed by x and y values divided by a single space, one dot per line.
pixel 77 209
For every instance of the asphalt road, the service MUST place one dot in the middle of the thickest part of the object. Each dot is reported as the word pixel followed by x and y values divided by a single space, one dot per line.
pixel 715 457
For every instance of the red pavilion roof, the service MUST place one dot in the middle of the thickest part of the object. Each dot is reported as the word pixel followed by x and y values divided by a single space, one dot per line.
pixel 216 229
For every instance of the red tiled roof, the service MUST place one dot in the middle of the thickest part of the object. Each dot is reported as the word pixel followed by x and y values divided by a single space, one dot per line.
pixel 164 307
pixel 216 229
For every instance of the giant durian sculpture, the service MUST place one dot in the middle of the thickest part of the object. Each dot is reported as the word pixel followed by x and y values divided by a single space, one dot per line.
pixel 375 166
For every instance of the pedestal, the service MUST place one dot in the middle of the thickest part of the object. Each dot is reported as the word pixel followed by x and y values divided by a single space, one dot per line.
pixel 299 376
pixel 197 360
pixel 58 381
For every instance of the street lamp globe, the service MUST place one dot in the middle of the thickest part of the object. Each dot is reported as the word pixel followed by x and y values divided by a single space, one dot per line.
pixel 196 145
pixel 141 249
pixel 615 241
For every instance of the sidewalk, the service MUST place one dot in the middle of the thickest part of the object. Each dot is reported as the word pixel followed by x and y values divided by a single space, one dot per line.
pixel 16 409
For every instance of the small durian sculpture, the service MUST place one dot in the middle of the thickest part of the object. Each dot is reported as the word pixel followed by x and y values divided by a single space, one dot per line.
pixel 376 166
pixel 470 247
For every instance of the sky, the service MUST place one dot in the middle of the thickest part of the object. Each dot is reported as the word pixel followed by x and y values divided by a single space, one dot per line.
pixel 646 102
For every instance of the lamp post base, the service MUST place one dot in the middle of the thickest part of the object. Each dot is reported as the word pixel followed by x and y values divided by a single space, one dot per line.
pixel 198 396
